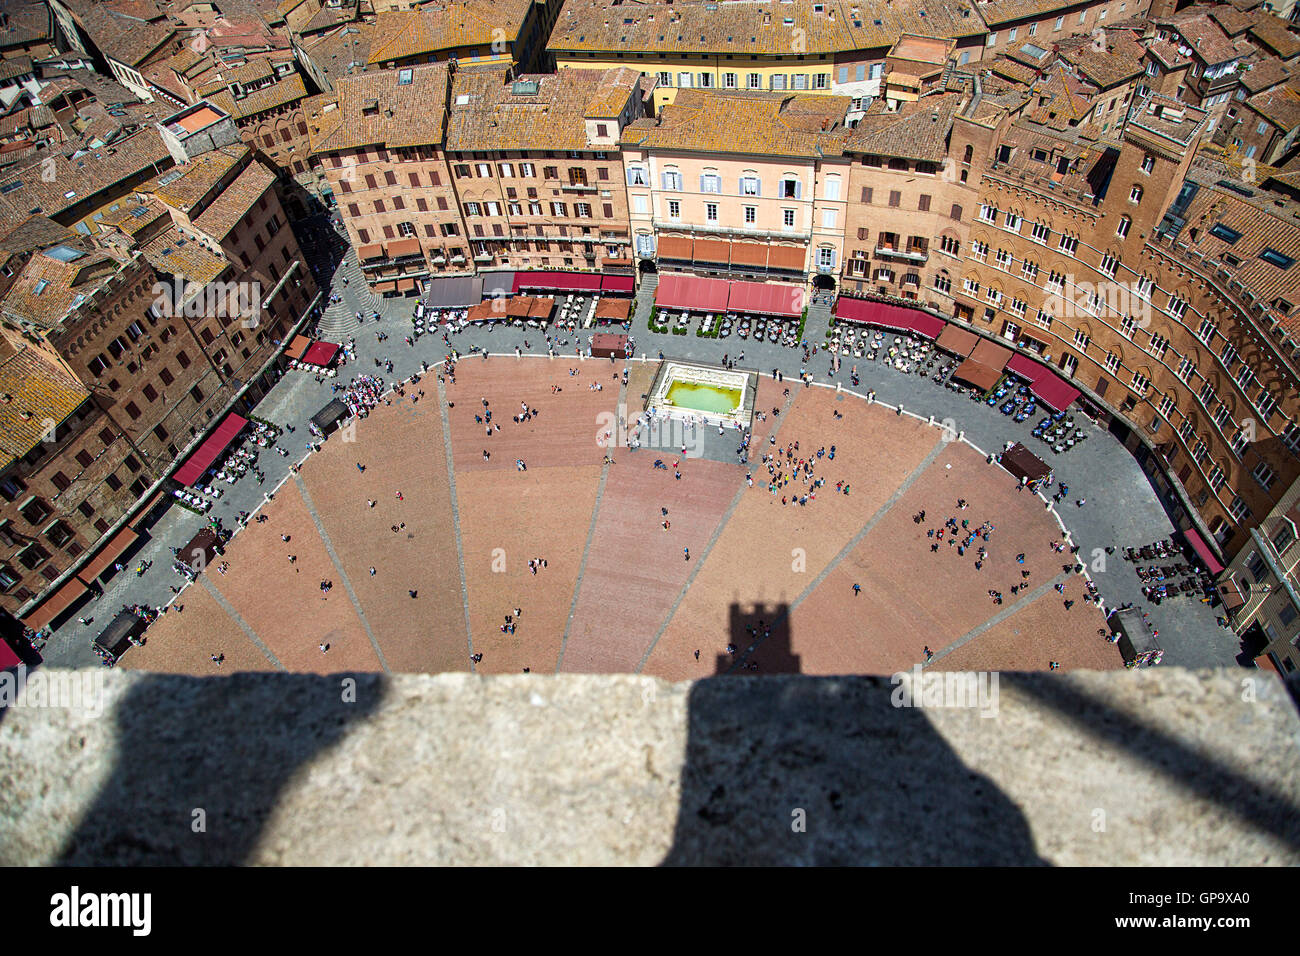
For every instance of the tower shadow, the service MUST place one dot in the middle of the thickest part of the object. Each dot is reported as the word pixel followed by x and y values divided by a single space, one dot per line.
pixel 761 638
pixel 804 771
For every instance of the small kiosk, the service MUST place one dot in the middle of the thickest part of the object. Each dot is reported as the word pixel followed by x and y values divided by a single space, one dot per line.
pixel 1137 640
pixel 123 633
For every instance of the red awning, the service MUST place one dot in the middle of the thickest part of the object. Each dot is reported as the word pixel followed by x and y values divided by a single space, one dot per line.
pixel 383 287
pixel 676 291
pixel 1043 382
pixel 1054 391
pixel 542 308
pixel 887 316
pixel 110 552
pixel 374 250
pixel 321 353
pixel 8 659
pixel 922 323
pixel 560 281
pixel 1027 369
pixel 51 607
pixel 617 284
pixel 405 285
pixel 210 450
pixel 766 298
pixel 517 308
pixel 1203 551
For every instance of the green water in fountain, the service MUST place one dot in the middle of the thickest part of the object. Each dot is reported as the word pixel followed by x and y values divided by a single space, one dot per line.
pixel 704 398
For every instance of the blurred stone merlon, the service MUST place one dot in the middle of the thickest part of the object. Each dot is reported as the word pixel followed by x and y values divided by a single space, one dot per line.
pixel 1160 766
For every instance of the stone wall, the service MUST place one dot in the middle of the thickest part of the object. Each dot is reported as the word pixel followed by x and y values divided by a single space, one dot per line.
pixel 1152 767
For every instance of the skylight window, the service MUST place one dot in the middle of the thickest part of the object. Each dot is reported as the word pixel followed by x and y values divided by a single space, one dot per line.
pixel 404 77
pixel 41 286
pixel 1226 233
pixel 1276 258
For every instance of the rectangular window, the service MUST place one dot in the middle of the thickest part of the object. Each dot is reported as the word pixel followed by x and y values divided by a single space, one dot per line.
pixel 787 216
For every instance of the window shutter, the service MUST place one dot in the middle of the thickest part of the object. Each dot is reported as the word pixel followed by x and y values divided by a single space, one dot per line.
pixel 867 192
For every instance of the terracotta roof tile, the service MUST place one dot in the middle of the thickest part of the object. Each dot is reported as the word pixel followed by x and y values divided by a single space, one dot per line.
pixel 920 131
pixel 39 392
pixel 1274 33
pixel 227 209
pixel 174 255
pixel 374 108
pixel 775 124
pixel 466 23
pixel 494 117
pixel 752 29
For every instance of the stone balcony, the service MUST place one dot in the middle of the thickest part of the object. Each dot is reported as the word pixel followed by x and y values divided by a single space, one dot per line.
pixel 1153 767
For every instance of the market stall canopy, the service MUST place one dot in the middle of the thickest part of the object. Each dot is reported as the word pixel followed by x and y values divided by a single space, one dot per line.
pixel 487 310
pixel 542 307
pixel 1023 463
pixel 608 345
pixel 114 638
pixel 989 353
pixel 517 308
pixel 321 354
pixel 977 373
pixel 202 548
pixel 614 309
pixel 956 340
pixel 199 462
pixel 678 291
pixel 766 298
pixel 1136 636
pixel 330 415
